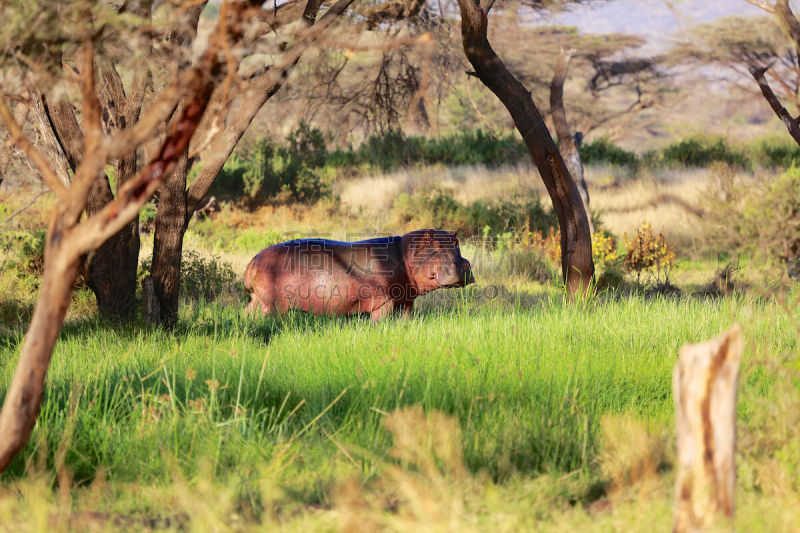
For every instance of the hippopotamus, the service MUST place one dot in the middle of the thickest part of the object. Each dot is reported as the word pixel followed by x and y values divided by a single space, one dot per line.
pixel 376 276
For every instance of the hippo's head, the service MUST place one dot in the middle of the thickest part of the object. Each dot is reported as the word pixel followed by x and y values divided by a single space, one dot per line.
pixel 434 260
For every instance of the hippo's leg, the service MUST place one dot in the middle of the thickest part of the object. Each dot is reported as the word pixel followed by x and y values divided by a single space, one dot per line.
pixel 256 302
pixel 406 308
pixel 252 305
pixel 383 311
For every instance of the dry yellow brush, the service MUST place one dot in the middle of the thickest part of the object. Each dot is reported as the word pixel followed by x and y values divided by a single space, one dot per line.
pixel 648 253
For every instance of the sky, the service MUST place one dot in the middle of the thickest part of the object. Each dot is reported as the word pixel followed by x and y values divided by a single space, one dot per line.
pixel 656 20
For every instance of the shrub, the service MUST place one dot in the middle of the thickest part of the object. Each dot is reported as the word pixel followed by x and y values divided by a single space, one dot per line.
pixel 775 152
pixel 511 259
pixel 26 253
pixel 604 151
pixel 392 149
pixel 650 254
pixel 701 152
pixel 760 219
pixel 548 245
pixel 527 255
pixel 295 171
pixel 207 278
pixel 604 249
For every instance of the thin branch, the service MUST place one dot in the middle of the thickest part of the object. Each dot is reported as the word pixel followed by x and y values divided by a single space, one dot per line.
pixel 18 137
pixel 254 95
pixel 762 4
pixel 24 207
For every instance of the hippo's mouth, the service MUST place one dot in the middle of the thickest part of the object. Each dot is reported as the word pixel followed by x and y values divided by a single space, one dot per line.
pixel 460 283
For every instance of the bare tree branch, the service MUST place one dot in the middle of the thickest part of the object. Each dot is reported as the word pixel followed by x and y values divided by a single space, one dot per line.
pixel 49 177
pixel 253 97
pixel 766 6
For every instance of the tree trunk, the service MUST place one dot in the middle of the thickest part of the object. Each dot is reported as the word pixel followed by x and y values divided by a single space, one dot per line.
pixel 24 396
pixel 576 245
pixel 111 271
pixel 170 225
pixel 704 387
pixel 566 142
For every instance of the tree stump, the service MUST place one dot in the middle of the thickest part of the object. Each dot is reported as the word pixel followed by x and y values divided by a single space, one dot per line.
pixel 704 386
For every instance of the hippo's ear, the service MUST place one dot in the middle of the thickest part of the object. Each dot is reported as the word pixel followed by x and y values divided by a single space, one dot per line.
pixel 427 239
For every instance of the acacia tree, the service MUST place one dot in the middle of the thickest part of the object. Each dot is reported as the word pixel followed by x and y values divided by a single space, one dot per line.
pixel 178 202
pixel 761 49
pixel 69 237
pixel 577 266
pixel 284 33
pixel 790 25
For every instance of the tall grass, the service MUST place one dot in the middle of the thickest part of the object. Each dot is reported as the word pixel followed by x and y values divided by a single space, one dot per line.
pixel 528 386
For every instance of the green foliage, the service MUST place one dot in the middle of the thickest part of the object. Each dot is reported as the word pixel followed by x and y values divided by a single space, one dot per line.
pixel 206 278
pixel 25 254
pixel 295 171
pixel 700 152
pixel 202 278
pixel 761 218
pixel 435 207
pixel 603 150
pixel 392 149
pixel 147 217
pixel 778 152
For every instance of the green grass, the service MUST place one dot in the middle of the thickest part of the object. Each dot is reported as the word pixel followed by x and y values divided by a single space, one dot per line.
pixel 301 400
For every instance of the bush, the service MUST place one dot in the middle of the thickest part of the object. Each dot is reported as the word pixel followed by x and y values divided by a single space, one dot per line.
pixel 604 151
pixel 782 153
pixel 604 250
pixel 206 278
pixel 701 152
pixel 761 219
pixel 26 253
pixel 296 171
pixel 649 254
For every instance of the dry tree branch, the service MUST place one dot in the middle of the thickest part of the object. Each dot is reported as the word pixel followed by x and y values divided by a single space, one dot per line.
pixel 254 95
pixel 766 6
pixel 18 137
pixel 27 205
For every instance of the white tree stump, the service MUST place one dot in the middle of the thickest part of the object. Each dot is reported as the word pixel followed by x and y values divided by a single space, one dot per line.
pixel 704 386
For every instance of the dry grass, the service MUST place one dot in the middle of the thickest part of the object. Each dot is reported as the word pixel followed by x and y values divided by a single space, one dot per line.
pixel 669 199
pixel 467 184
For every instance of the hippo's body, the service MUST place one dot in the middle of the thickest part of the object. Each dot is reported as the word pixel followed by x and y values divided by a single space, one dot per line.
pixel 376 276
